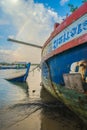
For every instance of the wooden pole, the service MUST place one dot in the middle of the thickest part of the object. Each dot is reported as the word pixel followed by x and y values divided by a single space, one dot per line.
pixel 24 43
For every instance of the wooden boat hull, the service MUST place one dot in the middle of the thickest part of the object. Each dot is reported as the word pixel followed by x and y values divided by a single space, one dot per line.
pixel 20 77
pixel 65 54
pixel 53 70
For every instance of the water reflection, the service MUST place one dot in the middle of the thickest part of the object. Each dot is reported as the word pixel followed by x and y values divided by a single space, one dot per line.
pixel 12 93
pixel 24 86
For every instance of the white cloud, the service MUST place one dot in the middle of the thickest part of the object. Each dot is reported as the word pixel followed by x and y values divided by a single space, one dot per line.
pixel 28 53
pixel 32 21
pixel 3 22
pixel 1 36
pixel 5 55
pixel 62 2
pixel 2 51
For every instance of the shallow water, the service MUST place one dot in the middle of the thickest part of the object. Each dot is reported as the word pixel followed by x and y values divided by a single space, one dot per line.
pixel 27 106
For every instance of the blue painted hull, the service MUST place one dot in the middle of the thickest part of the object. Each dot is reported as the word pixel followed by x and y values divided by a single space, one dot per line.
pixel 21 78
pixel 52 78
pixel 60 64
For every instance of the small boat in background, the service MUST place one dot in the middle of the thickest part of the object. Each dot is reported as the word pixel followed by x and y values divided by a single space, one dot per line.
pixel 19 75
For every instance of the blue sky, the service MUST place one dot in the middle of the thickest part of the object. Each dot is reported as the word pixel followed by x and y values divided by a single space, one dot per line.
pixel 30 21
pixel 60 6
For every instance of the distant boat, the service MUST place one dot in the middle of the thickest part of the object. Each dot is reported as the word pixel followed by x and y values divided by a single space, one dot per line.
pixel 19 75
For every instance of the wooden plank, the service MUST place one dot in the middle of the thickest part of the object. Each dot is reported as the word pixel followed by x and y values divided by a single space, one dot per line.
pixel 73 81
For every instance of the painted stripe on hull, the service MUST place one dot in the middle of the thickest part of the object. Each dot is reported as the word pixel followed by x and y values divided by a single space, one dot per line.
pixel 69 45
pixel 69 20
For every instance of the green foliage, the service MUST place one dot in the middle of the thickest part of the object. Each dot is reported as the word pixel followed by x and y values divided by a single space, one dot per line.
pixel 83 1
pixel 72 7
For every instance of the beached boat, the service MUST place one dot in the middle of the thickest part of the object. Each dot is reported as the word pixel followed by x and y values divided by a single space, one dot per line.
pixel 19 75
pixel 64 62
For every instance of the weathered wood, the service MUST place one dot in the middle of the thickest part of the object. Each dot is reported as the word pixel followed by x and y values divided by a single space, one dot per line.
pixel 73 81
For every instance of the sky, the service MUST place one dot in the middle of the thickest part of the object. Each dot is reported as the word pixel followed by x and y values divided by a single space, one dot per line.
pixel 30 21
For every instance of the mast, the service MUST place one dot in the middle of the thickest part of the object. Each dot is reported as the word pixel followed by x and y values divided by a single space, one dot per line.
pixel 24 43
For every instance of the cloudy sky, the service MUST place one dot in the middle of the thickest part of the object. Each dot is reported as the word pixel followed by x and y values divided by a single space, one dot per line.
pixel 30 21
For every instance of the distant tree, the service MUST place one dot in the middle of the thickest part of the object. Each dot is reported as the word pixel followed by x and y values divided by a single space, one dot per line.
pixel 83 1
pixel 72 7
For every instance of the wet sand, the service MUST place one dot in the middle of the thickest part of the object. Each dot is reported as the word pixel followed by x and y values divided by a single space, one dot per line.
pixel 41 122
pixel 32 122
